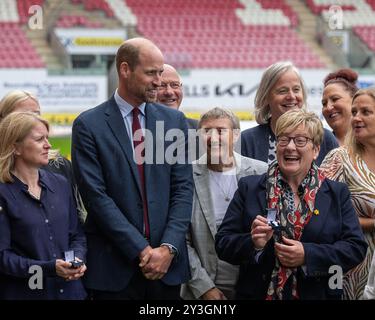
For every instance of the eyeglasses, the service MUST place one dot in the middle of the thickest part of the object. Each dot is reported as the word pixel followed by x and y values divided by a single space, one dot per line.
pixel 299 141
pixel 173 85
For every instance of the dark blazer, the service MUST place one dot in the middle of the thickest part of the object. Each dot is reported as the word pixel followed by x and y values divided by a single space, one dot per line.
pixel 192 123
pixel 108 181
pixel 333 237
pixel 255 144
pixel 37 232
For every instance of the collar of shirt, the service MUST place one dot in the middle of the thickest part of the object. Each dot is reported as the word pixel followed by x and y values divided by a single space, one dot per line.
pixel 44 182
pixel 126 108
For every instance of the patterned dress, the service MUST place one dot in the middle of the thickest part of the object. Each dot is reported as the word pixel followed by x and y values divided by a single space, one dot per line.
pixel 339 166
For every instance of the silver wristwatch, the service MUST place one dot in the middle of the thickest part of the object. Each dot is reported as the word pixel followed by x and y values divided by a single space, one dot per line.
pixel 172 249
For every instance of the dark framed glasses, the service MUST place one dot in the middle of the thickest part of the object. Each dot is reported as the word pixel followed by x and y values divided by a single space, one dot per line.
pixel 299 141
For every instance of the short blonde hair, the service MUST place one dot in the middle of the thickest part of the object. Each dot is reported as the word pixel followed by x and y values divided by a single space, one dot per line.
pixel 10 100
pixel 269 79
pixel 294 118
pixel 14 129
pixel 354 146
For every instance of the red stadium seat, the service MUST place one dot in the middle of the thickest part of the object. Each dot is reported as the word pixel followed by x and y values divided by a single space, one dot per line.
pixel 197 29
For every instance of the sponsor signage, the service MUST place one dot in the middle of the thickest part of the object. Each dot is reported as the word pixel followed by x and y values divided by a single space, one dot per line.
pixel 236 88
pixel 57 93
pixel 91 41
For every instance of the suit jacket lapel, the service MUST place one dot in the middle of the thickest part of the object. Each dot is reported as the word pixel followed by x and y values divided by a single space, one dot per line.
pixel 242 170
pixel 261 196
pixel 116 123
pixel 317 221
pixel 202 186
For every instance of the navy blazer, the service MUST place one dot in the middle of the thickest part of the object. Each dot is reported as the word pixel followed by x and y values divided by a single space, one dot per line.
pixel 192 123
pixel 255 144
pixel 37 232
pixel 108 181
pixel 333 237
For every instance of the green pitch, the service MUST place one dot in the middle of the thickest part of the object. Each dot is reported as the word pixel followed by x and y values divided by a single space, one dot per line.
pixel 61 143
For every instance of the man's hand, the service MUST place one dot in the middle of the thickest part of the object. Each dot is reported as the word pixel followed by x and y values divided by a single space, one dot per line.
pixel 145 256
pixel 156 262
pixel 290 253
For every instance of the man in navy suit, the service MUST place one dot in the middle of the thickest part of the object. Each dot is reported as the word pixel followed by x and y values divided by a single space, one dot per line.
pixel 138 211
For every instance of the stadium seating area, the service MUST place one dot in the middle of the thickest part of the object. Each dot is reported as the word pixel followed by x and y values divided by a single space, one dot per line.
pixel 367 35
pixel 359 15
pixel 23 7
pixel 197 33
pixel 91 5
pixel 267 12
pixel 66 21
pixel 16 50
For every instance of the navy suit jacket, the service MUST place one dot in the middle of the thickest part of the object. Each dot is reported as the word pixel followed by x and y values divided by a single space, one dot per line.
pixel 108 181
pixel 192 123
pixel 333 237
pixel 254 143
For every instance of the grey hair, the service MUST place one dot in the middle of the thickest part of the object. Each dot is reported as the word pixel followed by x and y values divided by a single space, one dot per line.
pixel 269 79
pixel 219 113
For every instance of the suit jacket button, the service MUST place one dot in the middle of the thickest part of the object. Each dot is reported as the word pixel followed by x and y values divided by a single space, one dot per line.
pixel 263 277
pixel 139 205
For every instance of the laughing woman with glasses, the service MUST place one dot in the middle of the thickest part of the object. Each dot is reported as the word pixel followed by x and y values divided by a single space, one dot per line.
pixel 288 227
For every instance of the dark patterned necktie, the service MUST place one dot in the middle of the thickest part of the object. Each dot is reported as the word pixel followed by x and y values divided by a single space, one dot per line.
pixel 139 157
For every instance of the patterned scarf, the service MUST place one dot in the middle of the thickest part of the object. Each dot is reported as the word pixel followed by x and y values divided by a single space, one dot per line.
pixel 293 220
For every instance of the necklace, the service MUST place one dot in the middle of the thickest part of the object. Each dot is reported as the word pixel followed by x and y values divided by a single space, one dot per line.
pixel 220 180
pixel 33 194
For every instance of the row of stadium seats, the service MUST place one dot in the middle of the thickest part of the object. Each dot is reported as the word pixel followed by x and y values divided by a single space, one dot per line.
pixel 367 35
pixel 193 34
pixel 91 5
pixel 24 6
pixel 199 33
pixel 207 17
pixel 317 7
pixel 354 12
pixel 66 21
pixel 16 50
pixel 358 15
